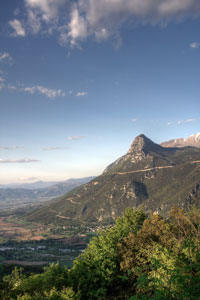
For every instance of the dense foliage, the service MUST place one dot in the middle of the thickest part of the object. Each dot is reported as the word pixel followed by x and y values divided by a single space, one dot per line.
pixel 141 257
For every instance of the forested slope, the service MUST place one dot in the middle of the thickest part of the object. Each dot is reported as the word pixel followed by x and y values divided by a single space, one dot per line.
pixel 141 257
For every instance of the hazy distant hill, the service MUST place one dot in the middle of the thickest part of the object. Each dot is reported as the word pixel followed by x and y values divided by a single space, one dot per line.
pixel 29 186
pixel 193 140
pixel 149 175
pixel 11 196
pixel 63 187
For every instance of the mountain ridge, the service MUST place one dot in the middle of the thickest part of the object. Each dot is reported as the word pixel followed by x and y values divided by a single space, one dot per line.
pixel 193 140
pixel 148 175
pixel 10 197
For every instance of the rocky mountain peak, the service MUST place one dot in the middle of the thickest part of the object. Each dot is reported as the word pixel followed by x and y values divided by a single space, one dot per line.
pixel 141 151
pixel 196 137
pixel 148 175
pixel 142 144
pixel 138 143
pixel 193 140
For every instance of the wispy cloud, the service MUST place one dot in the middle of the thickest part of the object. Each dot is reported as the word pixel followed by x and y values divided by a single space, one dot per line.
pixel 11 87
pixel 11 147
pixel 51 93
pixel 27 179
pixel 189 120
pixel 48 92
pixel 75 21
pixel 17 27
pixel 180 122
pixel 75 138
pixel 45 10
pixel 134 120
pixel 18 160
pixel 46 15
pixel 81 94
pixel 16 12
pixel 195 45
pixel 186 121
pixel 77 27
pixel 54 148
pixel 5 58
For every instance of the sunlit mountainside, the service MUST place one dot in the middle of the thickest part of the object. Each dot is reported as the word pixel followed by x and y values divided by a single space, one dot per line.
pixel 148 175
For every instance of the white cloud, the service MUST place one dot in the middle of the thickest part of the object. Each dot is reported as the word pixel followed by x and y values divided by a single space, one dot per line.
pixel 34 21
pixel 1 80
pixel 104 18
pixel 81 94
pixel 11 87
pixel 180 122
pixel 30 90
pixel 102 34
pixel 77 27
pixel 54 148
pixel 18 160
pixel 190 120
pixel 51 93
pixel 78 20
pixel 169 123
pixel 18 28
pixel 45 9
pixel 75 138
pixel 195 45
pixel 10 147
pixel 186 121
pixel 42 13
pixel 5 58
pixel 134 120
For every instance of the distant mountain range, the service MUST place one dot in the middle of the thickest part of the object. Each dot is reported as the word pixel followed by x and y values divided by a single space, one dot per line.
pixel 30 186
pixel 148 175
pixel 193 140
pixel 23 194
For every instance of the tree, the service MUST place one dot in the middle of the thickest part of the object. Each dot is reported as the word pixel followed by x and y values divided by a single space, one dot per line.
pixel 97 270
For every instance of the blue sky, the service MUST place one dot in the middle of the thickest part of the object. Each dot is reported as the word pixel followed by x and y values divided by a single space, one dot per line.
pixel 80 79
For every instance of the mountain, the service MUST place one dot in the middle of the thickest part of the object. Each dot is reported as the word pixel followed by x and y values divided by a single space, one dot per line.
pixel 71 183
pixel 148 175
pixel 11 197
pixel 193 140
pixel 29 186
pixel 63 187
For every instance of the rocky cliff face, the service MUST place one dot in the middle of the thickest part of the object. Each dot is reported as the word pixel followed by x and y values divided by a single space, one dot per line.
pixel 193 140
pixel 142 154
pixel 148 175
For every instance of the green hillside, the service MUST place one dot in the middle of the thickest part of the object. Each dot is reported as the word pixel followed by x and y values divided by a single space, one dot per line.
pixel 149 175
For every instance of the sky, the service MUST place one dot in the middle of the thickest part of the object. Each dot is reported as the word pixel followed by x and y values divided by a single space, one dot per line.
pixel 79 80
